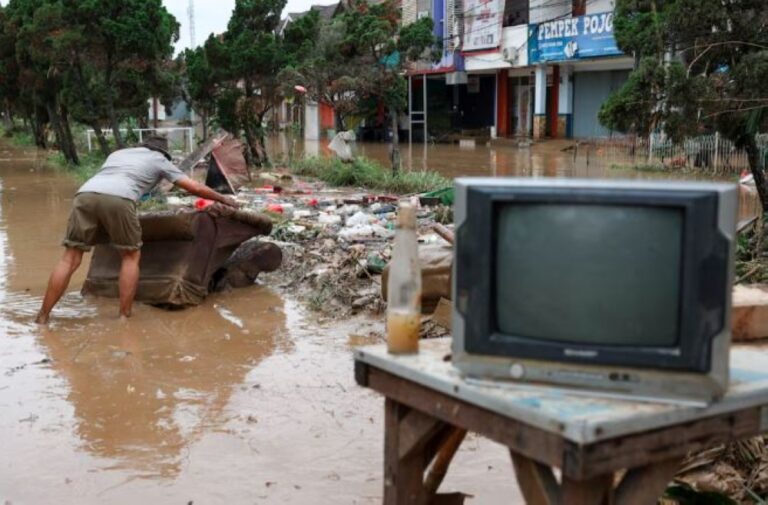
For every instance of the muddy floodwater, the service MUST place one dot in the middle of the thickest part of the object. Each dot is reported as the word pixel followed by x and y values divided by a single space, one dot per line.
pixel 245 399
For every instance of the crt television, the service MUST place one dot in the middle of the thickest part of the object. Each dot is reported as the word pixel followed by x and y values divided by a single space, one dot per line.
pixel 618 287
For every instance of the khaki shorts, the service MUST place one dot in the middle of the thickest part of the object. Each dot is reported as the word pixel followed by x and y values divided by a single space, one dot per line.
pixel 100 219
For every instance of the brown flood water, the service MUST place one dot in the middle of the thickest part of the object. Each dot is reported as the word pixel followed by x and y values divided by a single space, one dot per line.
pixel 245 399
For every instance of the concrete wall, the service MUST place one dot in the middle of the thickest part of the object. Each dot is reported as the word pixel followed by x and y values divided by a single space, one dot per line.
pixel 546 10
pixel 312 124
pixel 595 6
pixel 511 36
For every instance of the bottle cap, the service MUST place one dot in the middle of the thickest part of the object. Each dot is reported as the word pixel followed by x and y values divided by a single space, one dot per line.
pixel 406 216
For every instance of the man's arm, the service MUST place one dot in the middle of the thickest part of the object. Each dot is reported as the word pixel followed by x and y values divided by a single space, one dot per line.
pixel 203 191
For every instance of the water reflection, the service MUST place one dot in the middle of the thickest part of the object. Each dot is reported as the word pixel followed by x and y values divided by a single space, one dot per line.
pixel 501 158
pixel 142 391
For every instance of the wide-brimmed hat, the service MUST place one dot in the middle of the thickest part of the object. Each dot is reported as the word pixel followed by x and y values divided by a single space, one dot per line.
pixel 157 143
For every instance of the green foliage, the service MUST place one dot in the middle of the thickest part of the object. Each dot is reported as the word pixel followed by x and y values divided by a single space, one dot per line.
pixel 87 168
pixel 684 495
pixel 236 76
pixel 19 137
pixel 91 61
pixel 366 173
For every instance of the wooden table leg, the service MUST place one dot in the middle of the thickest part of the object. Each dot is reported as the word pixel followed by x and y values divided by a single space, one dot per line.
pixel 403 474
pixel 536 481
pixel 595 491
pixel 638 486
pixel 644 485
pixel 412 440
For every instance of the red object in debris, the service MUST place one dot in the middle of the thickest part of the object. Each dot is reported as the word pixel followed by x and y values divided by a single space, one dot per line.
pixel 277 189
pixel 202 203
pixel 313 202
pixel 276 208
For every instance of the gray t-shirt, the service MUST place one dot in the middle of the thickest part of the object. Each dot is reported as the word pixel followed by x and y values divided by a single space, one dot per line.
pixel 131 173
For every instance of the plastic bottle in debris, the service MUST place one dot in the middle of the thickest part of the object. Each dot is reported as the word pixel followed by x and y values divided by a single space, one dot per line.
pixel 404 287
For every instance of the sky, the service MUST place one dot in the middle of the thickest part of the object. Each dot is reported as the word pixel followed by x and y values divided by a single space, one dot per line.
pixel 212 16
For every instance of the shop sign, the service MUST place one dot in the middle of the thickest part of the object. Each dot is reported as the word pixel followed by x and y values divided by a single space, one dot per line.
pixel 482 24
pixel 577 38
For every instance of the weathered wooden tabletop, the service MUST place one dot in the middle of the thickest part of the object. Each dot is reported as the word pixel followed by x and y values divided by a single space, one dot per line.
pixel 578 417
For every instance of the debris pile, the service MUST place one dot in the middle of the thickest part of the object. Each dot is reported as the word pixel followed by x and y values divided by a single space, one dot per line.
pixel 336 244
pixel 738 471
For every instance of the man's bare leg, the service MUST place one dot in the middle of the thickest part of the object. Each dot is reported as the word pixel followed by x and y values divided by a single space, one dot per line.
pixel 129 280
pixel 59 281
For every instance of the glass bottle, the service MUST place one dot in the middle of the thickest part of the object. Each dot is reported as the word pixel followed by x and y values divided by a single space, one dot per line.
pixel 404 286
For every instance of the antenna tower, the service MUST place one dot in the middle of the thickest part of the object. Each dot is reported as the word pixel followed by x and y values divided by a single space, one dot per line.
pixel 192 35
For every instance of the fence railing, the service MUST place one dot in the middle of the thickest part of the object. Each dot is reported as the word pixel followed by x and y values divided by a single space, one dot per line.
pixel 712 153
pixel 179 139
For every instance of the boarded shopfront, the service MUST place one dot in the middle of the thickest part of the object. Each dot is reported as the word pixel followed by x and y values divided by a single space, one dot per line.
pixel 590 91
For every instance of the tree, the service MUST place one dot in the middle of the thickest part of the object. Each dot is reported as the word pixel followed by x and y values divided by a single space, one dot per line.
pixel 9 69
pixel 201 84
pixel 382 48
pixel 701 65
pixel 319 64
pixel 246 61
pixel 125 45
pixel 91 60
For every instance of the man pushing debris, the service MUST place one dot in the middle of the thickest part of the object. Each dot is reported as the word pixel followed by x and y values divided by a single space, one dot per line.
pixel 105 207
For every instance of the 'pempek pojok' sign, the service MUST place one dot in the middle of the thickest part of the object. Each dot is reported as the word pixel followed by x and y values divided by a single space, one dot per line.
pixel 565 39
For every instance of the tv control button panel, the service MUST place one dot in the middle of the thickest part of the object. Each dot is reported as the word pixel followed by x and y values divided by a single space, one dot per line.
pixel 517 371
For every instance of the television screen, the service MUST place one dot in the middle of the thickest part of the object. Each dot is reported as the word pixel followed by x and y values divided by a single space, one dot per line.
pixel 589 274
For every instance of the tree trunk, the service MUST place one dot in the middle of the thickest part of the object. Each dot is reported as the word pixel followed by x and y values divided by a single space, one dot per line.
pixel 66 147
pixel 67 127
pixel 204 119
pixel 7 118
pixel 113 122
pixel 38 129
pixel 753 155
pixel 101 139
pixel 395 152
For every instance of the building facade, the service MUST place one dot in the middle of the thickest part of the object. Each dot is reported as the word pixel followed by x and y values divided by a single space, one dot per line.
pixel 517 68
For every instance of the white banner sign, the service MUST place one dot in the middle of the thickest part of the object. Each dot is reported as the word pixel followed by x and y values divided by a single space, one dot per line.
pixel 482 24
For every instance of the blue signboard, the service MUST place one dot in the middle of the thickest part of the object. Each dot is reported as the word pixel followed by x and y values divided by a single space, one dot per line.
pixel 578 38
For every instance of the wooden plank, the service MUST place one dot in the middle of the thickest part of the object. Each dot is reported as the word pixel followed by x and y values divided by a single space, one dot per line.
pixel 443 314
pixel 443 460
pixel 201 152
pixel 644 485
pixel 416 429
pixel 594 491
pixel 403 477
pixel 522 438
pixel 631 451
pixel 749 316
pixel 536 481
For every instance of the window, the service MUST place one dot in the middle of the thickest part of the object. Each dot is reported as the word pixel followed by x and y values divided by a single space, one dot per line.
pixel 516 12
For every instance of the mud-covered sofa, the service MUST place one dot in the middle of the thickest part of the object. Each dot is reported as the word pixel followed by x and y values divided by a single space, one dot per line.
pixel 181 259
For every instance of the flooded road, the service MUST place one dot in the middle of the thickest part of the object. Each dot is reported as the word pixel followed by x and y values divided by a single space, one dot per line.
pixel 245 399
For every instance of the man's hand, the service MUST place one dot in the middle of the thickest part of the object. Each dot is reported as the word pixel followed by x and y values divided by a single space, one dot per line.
pixel 204 191
pixel 230 201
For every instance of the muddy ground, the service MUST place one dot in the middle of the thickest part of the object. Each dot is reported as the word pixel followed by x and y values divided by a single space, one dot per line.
pixel 245 399
pixel 248 398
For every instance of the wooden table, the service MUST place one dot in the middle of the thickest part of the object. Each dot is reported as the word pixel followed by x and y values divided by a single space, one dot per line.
pixel 608 451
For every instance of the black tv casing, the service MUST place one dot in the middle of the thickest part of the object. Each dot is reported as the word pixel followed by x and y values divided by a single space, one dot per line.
pixel 700 358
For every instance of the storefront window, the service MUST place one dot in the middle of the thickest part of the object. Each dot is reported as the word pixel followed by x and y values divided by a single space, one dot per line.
pixel 516 12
